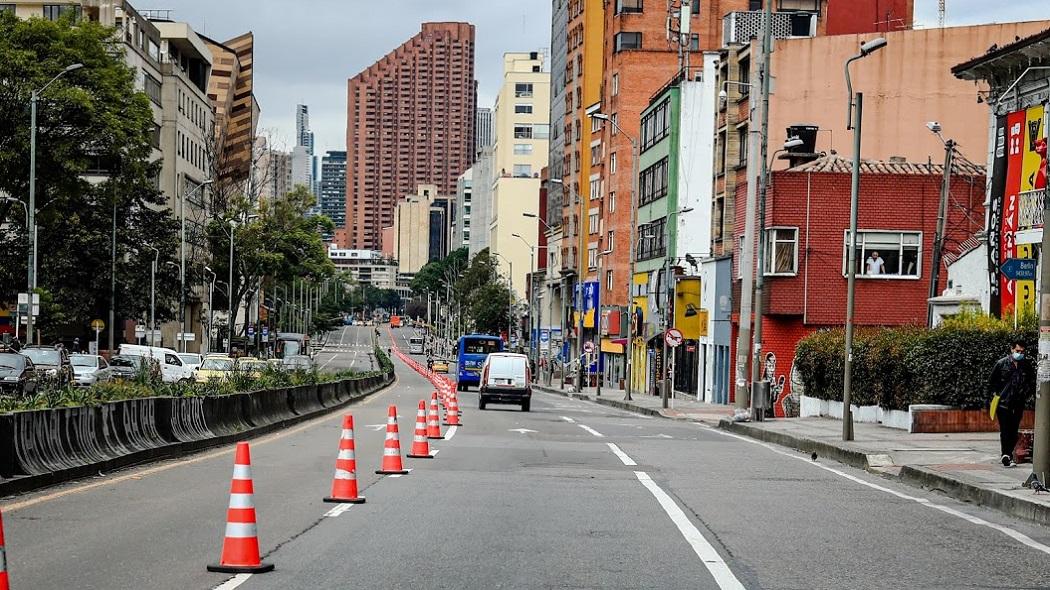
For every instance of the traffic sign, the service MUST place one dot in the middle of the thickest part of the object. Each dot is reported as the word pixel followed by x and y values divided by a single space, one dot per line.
pixel 251 331
pixel 265 331
pixel 673 337
pixel 140 331
pixel 1019 269
pixel 98 325
pixel 187 336
pixel 588 347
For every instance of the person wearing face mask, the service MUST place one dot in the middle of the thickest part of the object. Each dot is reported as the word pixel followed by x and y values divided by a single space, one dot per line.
pixel 1013 380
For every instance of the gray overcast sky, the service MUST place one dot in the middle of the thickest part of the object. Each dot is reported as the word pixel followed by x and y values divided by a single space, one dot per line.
pixel 306 50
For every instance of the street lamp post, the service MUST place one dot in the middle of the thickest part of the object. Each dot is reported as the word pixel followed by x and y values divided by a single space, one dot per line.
pixel 532 289
pixel 669 286
pixel 597 326
pixel 34 98
pixel 182 261
pixel 211 296
pixel 510 288
pixel 153 296
pixel 629 361
pixel 855 117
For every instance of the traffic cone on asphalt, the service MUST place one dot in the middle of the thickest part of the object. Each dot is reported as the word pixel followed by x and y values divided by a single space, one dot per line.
pixel 420 446
pixel 240 548
pixel 344 483
pixel 452 414
pixel 4 585
pixel 434 418
pixel 391 447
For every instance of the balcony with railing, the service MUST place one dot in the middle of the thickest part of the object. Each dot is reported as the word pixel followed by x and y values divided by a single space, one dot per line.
pixel 1030 209
pixel 742 26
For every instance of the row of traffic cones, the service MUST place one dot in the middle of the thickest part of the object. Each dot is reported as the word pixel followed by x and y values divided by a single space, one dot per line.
pixel 240 547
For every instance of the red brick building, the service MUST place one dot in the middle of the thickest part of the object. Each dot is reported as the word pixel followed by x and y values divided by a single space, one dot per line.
pixel 807 224
pixel 410 121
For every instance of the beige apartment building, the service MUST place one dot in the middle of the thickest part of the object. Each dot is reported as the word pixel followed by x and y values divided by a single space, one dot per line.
pixel 522 128
pixel 411 230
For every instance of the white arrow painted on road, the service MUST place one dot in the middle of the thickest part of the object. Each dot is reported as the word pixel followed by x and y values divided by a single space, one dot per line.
pixel 656 436
pixel 521 430
pixel 375 426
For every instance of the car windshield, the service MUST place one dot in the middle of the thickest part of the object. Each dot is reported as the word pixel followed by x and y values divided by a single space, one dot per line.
pixel 12 361
pixel 83 360
pixel 291 347
pixel 43 356
pixel 191 359
pixel 217 365
pixel 126 361
pixel 480 345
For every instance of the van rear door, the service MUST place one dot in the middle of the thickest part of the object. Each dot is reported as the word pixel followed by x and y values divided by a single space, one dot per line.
pixel 507 372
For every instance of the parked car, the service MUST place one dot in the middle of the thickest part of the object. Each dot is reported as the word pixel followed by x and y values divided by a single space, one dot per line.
pixel 214 368
pixel 440 366
pixel 173 369
pixel 18 375
pixel 191 360
pixel 251 365
pixel 297 363
pixel 51 363
pixel 89 369
pixel 505 379
pixel 127 366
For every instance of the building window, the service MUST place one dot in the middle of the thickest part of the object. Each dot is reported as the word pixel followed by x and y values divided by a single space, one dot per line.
pixel 612 201
pixel 592 222
pixel 596 189
pixel 628 6
pixel 625 41
pixel 741 142
pixel 541 131
pixel 694 39
pixel 152 87
pixel 523 109
pixel 523 90
pixel 523 132
pixel 744 77
pixel 781 256
pixel 695 7
pixel 576 134
pixel 608 280
pixel 615 118
pixel 885 254
pixel 652 239
pixel 652 182
pixel 612 163
pixel 7 8
pixel 592 257
pixel 655 124
pixel 596 125
pixel 596 155
pixel 522 149
pixel 609 243
pixel 56 11
pixel 615 84
pixel 523 171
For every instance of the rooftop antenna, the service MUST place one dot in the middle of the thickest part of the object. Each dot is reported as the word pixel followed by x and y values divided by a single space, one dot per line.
pixel 940 13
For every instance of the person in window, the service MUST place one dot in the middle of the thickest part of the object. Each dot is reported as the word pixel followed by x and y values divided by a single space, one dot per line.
pixel 875 265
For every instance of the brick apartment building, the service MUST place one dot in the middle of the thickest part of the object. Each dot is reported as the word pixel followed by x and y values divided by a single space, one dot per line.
pixel 807 221
pixel 410 121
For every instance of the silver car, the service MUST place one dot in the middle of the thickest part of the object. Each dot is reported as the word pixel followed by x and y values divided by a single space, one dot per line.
pixel 89 369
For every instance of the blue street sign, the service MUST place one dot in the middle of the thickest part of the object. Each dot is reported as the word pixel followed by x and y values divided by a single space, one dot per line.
pixel 1019 269
pixel 251 331
pixel 265 331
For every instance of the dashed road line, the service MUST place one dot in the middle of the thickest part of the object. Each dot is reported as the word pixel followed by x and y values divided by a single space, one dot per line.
pixel 452 430
pixel 624 458
pixel 714 563
pixel 591 430
pixel 568 419
pixel 234 582
pixel 334 512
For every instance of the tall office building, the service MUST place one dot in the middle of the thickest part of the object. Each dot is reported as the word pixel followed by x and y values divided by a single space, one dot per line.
pixel 303 135
pixel 333 187
pixel 482 129
pixel 410 121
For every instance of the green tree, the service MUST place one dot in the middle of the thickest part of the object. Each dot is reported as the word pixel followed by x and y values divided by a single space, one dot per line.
pixel 485 299
pixel 94 145
pixel 432 277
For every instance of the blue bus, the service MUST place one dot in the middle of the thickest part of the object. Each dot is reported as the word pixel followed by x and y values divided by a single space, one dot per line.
pixel 473 349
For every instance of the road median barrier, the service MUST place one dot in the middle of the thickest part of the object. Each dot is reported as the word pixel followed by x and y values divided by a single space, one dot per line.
pixel 43 447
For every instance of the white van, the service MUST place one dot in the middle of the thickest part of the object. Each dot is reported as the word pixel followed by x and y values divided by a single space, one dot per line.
pixel 415 345
pixel 505 379
pixel 172 368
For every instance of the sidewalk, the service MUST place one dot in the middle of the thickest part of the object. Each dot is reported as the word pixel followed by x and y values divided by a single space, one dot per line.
pixel 964 466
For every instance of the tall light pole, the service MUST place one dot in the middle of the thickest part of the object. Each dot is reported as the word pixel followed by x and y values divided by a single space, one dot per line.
pixel 855 118
pixel 759 386
pixel 211 297
pixel 182 261
pixel 597 326
pixel 153 296
pixel 942 218
pixel 230 320
pixel 532 289
pixel 629 361
pixel 669 286
pixel 34 98
pixel 510 288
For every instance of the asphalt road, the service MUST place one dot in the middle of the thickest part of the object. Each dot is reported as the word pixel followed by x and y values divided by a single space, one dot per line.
pixel 349 347
pixel 570 495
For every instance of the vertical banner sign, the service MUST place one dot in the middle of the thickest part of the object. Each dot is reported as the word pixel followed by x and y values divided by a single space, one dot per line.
pixel 1015 139
pixel 996 192
pixel 1031 163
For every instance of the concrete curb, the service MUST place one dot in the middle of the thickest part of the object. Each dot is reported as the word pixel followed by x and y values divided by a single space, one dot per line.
pixel 853 458
pixel 613 403
pixel 964 491
pixel 28 483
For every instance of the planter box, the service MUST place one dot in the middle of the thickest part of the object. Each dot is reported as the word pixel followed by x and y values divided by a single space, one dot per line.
pixel 810 407
pixel 927 418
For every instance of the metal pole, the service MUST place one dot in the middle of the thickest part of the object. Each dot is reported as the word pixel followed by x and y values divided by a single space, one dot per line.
pixel 747 266
pixel 669 298
pixel 1041 442
pixel 153 298
pixel 231 321
pixel 597 330
pixel 851 272
pixel 532 301
pixel 211 309
pixel 942 218
pixel 630 261
pixel 113 278
pixel 31 226
pixel 763 177
pixel 182 271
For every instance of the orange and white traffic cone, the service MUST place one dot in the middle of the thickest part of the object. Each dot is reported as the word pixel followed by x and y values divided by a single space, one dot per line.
pixel 452 415
pixel 420 446
pixel 240 548
pixel 434 419
pixel 344 483
pixel 391 464
pixel 4 584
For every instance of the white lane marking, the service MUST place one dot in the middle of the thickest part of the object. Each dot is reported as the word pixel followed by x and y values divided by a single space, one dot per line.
pixel 334 512
pixel 624 458
pixel 233 582
pixel 568 419
pixel 704 550
pixel 520 430
pixel 1009 532
pixel 591 430
pixel 435 452
pixel 394 475
pixel 334 354
pixel 451 432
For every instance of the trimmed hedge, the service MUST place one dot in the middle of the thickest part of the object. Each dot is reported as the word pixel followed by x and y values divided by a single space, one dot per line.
pixel 896 367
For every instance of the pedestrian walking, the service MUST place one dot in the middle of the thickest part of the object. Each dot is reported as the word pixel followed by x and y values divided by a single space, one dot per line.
pixel 1010 385
pixel 76 346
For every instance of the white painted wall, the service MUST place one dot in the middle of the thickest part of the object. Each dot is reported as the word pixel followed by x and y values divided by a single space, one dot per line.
pixel 969 276
pixel 696 160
